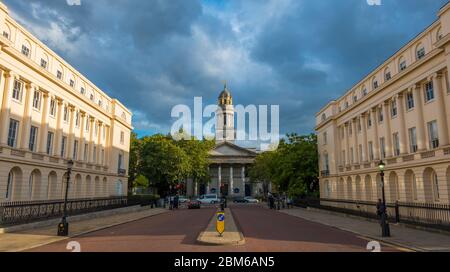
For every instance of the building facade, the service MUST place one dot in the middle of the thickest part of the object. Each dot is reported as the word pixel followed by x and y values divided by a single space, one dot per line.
pixel 51 114
pixel 229 163
pixel 399 113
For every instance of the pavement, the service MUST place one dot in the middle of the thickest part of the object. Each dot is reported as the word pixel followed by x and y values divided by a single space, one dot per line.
pixel 177 231
pixel 231 236
pixel 401 236
pixel 29 239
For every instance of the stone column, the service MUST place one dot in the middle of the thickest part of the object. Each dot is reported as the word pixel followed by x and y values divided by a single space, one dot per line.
pixel 43 131
pixel 9 77
pixel 418 104
pixel 347 143
pixel 24 135
pixel 440 96
pixel 99 143
pixel 71 138
pixel 82 139
pixel 387 128
pixel 91 140
pixel 59 132
pixel 231 180
pixel 355 138
pixel 376 141
pixel 364 138
pixel 402 129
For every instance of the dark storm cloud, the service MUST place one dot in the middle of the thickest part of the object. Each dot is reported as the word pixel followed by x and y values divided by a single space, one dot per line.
pixel 155 54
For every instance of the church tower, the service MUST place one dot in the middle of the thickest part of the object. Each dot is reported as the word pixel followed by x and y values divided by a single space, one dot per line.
pixel 225 117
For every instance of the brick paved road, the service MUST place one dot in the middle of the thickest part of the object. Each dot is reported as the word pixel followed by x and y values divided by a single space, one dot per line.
pixel 264 230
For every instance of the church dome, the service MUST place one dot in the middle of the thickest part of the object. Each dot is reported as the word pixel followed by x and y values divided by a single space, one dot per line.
pixel 225 97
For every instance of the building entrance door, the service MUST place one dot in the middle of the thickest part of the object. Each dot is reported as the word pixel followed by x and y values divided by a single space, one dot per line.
pixel 224 190
pixel 248 190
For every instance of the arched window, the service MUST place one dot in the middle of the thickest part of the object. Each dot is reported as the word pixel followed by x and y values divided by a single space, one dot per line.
pixel 401 64
pixel 52 185
pixel 119 187
pixel 436 193
pixel 420 51
pixel 431 186
pixel 7 32
pixel 387 74
pixel 439 34
pixel 411 186
pixel 9 186
pixel 44 61
pixel 26 49
pixel 97 187
pixel 324 117
pixel 368 188
pixel 88 190
pixel 105 187
pixel 374 83
pixel 34 185
pixel 393 187
pixel 363 91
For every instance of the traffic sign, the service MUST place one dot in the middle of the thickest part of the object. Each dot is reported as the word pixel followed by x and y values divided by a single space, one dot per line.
pixel 220 223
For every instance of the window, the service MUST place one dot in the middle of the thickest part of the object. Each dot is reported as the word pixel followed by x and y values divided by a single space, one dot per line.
pixel 326 162
pixel 369 120
pixel 120 161
pixel 387 76
pixel 435 186
pixel 44 63
pixel 59 74
pixel 122 137
pixel 102 156
pixel 63 146
pixel 380 115
pixel 100 103
pixel 82 90
pixel 66 113
pixel 77 119
pixel 17 90
pixel 420 53
pixel 402 65
pixel 26 51
pixel 53 107
pixel 371 151
pixel 394 110
pixel 396 144
pixel 360 153
pixel 6 34
pixel 12 132
pixel 439 34
pixel 364 92
pixel 413 140
pixel 433 134
pixel 409 100
pixel 375 84
pixel 33 138
pixel 352 155
pixel 343 157
pixel 86 146
pixel 75 150
pixel 355 99
pixel 50 136
pixel 346 104
pixel 37 100
pixel 72 83
pixel 9 185
pixel 382 148
pixel 95 154
pixel 91 97
pixel 429 91
pixel 324 138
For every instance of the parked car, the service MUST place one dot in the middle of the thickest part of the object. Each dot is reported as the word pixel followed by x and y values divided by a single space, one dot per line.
pixel 240 200
pixel 183 199
pixel 250 199
pixel 209 199
pixel 194 204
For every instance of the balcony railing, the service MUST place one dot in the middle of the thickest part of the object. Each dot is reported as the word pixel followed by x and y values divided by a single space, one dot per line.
pixel 429 154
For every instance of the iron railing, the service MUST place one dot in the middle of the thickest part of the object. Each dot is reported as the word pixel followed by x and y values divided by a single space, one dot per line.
pixel 12 213
pixel 421 214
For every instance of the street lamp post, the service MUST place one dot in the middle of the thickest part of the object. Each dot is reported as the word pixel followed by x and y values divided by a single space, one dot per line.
pixel 385 230
pixel 63 227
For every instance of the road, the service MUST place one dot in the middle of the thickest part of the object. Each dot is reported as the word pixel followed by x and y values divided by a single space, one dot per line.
pixel 177 231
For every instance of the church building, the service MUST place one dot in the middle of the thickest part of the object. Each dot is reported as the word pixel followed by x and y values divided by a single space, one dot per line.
pixel 229 162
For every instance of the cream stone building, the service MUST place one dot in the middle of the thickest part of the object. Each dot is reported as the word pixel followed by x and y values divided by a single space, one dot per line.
pixel 399 113
pixel 50 114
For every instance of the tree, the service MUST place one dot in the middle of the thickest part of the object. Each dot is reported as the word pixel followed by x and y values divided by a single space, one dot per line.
pixel 133 171
pixel 163 162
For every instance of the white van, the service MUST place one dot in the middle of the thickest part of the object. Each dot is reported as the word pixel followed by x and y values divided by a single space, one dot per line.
pixel 209 199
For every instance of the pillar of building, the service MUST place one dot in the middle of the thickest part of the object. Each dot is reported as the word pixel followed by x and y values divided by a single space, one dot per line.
pixel 71 138
pixel 219 181
pixel 8 78
pixel 82 138
pixel 100 160
pixel 441 109
pixel 387 129
pixel 91 140
pixel 402 129
pixel 347 143
pixel 231 180
pixel 243 179
pixel 24 134
pixel 376 141
pixel 355 139
pixel 59 132
pixel 365 153
pixel 43 131
pixel 421 142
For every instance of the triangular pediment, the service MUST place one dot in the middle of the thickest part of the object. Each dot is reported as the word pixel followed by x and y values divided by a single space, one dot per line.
pixel 229 149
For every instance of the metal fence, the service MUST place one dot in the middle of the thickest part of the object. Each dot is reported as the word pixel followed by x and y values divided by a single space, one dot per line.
pixel 422 214
pixel 12 213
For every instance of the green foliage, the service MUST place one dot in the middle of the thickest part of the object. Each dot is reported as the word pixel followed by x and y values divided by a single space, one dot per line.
pixel 141 181
pixel 292 168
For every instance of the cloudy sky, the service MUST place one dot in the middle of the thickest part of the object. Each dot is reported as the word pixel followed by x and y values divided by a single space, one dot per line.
pixel 155 54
